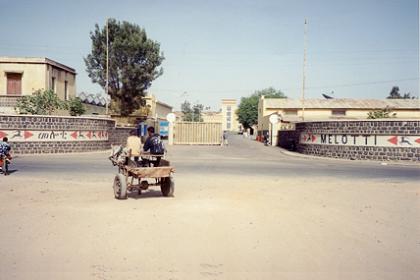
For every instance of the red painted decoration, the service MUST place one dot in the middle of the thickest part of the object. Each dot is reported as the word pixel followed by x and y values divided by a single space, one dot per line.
pixel 27 134
pixel 89 134
pixel 74 135
pixel 418 140
pixel 2 134
pixel 393 140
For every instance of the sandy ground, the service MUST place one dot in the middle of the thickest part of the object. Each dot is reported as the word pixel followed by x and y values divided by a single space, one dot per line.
pixel 216 227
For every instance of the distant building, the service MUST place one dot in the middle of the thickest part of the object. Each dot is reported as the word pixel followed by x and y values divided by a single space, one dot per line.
pixel 20 76
pixel 212 117
pixel 229 116
pixel 156 109
pixel 290 110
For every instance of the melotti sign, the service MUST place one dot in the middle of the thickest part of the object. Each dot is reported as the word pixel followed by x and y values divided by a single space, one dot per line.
pixel 360 140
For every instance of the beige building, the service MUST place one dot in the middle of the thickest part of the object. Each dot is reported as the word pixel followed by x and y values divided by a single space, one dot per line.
pixel 212 117
pixel 21 76
pixel 291 110
pixel 229 116
pixel 226 116
pixel 157 109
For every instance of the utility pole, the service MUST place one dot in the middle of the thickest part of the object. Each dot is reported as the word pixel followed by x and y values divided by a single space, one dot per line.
pixel 107 67
pixel 304 68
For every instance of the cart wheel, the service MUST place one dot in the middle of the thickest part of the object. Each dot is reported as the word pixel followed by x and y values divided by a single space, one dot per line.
pixel 120 187
pixel 167 186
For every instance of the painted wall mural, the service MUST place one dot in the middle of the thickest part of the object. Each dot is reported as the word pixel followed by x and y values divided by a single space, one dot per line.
pixel 361 140
pixel 53 135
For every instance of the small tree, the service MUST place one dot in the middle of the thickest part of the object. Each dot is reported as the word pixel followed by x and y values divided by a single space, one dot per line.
pixel 40 103
pixel 248 108
pixel 395 94
pixel 192 114
pixel 75 107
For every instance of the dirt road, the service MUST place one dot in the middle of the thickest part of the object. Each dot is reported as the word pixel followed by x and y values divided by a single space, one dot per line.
pixel 245 221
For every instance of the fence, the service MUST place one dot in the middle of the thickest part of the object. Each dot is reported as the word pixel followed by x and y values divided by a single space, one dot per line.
pixel 197 133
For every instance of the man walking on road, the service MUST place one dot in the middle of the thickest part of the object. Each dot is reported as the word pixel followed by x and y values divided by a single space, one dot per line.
pixel 225 139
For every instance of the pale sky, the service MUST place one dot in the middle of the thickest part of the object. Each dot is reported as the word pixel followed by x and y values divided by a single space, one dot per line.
pixel 228 49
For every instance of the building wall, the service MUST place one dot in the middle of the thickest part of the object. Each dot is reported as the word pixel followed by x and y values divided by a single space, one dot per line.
pixel 326 114
pixel 232 124
pixel 61 76
pixel 157 109
pixel 162 110
pixel 33 77
pixel 212 117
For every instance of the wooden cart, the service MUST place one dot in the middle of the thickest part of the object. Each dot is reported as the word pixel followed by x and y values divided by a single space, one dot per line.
pixel 137 176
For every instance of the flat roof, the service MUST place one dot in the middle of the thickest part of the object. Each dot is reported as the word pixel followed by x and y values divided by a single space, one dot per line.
pixel 36 60
pixel 340 103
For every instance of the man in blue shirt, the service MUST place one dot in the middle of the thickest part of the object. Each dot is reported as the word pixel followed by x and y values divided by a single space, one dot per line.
pixel 154 145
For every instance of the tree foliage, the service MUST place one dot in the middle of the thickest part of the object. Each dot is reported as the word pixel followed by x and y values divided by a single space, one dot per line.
pixel 75 107
pixel 248 108
pixel 192 113
pixel 134 62
pixel 395 94
pixel 40 103
pixel 381 114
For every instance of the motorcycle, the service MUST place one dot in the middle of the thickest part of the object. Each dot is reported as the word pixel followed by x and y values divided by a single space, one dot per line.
pixel 4 164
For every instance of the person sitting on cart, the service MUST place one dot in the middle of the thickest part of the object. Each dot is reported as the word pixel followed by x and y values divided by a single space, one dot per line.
pixel 154 144
pixel 134 144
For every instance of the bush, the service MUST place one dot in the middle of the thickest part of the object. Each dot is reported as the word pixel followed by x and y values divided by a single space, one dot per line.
pixel 40 103
pixel 381 114
pixel 75 107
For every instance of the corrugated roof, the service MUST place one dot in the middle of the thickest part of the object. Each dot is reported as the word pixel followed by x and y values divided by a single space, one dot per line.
pixel 341 103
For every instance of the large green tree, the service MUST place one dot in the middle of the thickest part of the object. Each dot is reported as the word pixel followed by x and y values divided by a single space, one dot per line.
pixel 134 62
pixel 248 108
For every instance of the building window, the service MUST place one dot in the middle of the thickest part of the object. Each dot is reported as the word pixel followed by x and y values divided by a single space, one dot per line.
pixel 229 113
pixel 53 84
pixel 228 108
pixel 66 97
pixel 14 83
pixel 228 119
pixel 338 112
pixel 228 125
pixel 290 112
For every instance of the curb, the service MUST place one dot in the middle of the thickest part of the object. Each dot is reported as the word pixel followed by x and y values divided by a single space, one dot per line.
pixel 296 154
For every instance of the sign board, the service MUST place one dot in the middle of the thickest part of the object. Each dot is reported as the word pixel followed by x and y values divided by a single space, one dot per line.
pixel 360 140
pixel 54 135
pixel 164 128
pixel 274 119
pixel 142 129
pixel 171 117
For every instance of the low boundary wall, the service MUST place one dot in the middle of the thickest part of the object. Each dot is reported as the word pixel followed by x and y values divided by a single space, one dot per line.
pixel 30 134
pixel 356 139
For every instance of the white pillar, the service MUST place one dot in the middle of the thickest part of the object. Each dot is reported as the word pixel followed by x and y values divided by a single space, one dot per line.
pixel 171 134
